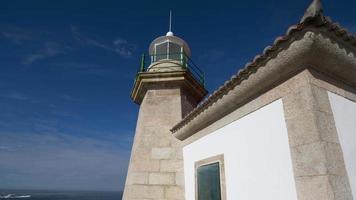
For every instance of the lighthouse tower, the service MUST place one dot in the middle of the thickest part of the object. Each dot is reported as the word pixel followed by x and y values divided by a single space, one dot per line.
pixel 166 90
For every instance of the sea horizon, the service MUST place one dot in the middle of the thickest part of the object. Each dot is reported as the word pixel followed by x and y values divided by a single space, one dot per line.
pixel 60 194
pixel 68 190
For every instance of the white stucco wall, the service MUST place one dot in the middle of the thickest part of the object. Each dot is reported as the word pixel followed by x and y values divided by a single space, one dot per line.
pixel 257 156
pixel 344 112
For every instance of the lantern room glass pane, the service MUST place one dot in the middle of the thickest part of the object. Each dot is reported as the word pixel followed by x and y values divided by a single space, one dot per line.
pixel 208 180
pixel 174 51
pixel 161 51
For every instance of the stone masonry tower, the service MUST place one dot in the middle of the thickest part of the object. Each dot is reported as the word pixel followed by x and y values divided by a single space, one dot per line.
pixel 168 89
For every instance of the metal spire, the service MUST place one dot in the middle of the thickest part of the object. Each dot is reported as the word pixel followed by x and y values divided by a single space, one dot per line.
pixel 170 21
pixel 170 33
pixel 314 10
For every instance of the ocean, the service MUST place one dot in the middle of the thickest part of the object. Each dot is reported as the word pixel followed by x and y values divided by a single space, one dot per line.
pixel 58 195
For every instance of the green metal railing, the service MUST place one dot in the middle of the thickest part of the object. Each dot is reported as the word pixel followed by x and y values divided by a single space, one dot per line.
pixel 184 60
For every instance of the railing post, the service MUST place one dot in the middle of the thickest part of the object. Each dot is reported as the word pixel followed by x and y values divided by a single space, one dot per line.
pixel 142 67
pixel 181 58
pixel 184 61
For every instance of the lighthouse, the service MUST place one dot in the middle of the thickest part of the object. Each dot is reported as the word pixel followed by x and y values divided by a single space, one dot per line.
pixel 167 87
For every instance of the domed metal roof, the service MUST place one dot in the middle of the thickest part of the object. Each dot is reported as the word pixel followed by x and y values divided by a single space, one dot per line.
pixel 169 38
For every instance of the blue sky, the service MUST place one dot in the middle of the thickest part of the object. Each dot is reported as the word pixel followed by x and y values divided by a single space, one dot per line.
pixel 67 69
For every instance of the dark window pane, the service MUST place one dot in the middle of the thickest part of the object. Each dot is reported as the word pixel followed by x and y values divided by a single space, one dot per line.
pixel 174 51
pixel 209 182
pixel 161 51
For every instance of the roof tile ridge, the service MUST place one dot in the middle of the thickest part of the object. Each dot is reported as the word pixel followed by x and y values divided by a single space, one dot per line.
pixel 318 20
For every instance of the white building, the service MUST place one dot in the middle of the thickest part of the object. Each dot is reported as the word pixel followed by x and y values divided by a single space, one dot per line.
pixel 284 127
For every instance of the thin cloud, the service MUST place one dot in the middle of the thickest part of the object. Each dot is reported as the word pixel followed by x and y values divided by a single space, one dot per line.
pixel 86 69
pixel 31 38
pixel 123 47
pixel 68 97
pixel 119 46
pixel 4 148
pixel 16 34
pixel 50 49
pixel 62 161
pixel 14 95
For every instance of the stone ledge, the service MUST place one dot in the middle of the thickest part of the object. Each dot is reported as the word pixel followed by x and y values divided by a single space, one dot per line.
pixel 157 80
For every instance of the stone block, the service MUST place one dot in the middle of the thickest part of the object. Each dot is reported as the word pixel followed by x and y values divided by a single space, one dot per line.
pixel 299 80
pixel 326 126
pixel 179 153
pixel 321 99
pixel 335 159
pixel 320 158
pixel 314 188
pixel 171 165
pixel 161 178
pixel 302 129
pixel 145 165
pixel 298 102
pixel 137 178
pixel 144 192
pixel 161 153
pixel 174 193
pixel 167 92
pixel 154 140
pixel 180 177
pixel 341 187
pixel 176 143
pixel 309 159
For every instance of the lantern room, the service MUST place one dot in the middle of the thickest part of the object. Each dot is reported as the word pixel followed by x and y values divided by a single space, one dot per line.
pixel 169 47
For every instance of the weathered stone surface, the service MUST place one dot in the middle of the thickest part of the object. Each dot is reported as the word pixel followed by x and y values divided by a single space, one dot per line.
pixel 137 178
pixel 143 192
pixel 298 102
pixel 309 160
pixel 335 160
pixel 173 193
pixel 326 125
pixel 144 165
pixel 171 165
pixel 155 140
pixel 314 188
pixel 341 188
pixel 161 153
pixel 302 129
pixel 161 178
pixel 327 187
pixel 156 158
pixel 180 177
pixel 320 100
pixel 317 157
pixel 167 80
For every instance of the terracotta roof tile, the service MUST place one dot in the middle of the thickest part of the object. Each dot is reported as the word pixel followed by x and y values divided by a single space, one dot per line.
pixel 317 21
